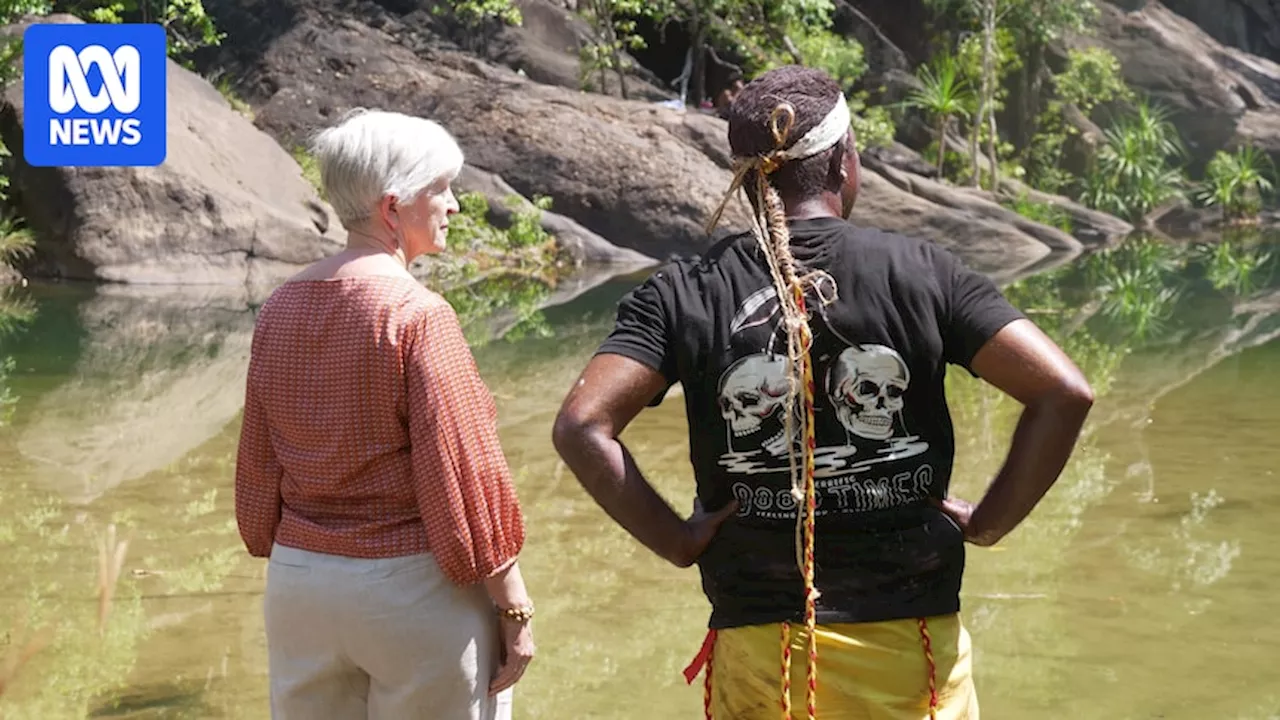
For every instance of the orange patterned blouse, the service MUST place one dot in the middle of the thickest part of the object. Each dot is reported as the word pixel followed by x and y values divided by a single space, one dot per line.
pixel 368 432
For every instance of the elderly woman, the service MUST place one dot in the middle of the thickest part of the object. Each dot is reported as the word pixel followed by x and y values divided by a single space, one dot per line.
pixel 369 468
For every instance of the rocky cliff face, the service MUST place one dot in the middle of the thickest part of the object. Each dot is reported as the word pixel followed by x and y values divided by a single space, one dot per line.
pixel 1221 96
pixel 641 175
pixel 230 205
pixel 1250 25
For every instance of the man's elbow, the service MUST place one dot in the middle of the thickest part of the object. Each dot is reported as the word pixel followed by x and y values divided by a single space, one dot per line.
pixel 1075 393
pixel 568 433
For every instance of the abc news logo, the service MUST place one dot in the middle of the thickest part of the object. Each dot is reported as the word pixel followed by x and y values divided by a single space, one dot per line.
pixel 94 95
pixel 69 89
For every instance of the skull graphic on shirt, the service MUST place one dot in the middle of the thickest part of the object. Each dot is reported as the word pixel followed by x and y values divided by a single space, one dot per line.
pixel 753 398
pixel 866 385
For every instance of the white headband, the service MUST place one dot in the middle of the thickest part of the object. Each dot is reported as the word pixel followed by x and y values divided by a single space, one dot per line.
pixel 833 128
pixel 824 135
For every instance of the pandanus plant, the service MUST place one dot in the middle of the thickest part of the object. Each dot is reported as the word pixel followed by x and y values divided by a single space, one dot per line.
pixel 1135 171
pixel 944 94
pixel 1236 182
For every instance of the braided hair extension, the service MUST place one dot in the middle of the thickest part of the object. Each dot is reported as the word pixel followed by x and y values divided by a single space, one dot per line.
pixel 752 174
pixel 784 129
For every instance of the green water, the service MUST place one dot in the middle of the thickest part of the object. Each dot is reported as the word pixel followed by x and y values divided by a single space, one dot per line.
pixel 1143 587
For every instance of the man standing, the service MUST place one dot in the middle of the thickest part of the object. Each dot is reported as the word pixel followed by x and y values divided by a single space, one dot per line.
pixel 812 354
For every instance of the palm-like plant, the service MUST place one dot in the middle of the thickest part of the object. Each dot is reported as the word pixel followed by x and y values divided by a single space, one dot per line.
pixel 944 94
pixel 1237 181
pixel 16 242
pixel 1132 173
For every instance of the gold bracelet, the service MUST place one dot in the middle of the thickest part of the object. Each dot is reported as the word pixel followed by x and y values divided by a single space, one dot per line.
pixel 521 614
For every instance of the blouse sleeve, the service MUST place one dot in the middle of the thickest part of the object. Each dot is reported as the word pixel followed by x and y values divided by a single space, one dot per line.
pixel 464 488
pixel 258 475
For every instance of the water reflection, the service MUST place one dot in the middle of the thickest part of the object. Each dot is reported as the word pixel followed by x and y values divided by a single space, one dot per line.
pixel 1125 560
pixel 1135 591
pixel 154 375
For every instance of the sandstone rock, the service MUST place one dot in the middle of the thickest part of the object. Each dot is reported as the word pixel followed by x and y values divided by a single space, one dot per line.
pixel 546 48
pixel 1089 226
pixel 228 206
pixel 1260 128
pixel 908 171
pixel 640 175
pixel 1081 144
pixel 1250 25
pixel 614 166
pixel 900 157
pixel 905 23
pixel 881 54
pixel 1210 87
pixel 583 245
pixel 986 245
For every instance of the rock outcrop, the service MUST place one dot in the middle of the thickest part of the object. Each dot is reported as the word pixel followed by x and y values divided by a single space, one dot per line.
pixel 231 206
pixel 547 48
pixel 1250 25
pixel 228 206
pixel 641 175
pixel 584 246
pixel 1221 96
pixel 614 166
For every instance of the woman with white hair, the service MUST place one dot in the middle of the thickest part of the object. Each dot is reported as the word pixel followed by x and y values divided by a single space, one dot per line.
pixel 369 469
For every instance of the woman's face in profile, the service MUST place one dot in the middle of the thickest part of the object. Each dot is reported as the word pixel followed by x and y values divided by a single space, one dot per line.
pixel 425 221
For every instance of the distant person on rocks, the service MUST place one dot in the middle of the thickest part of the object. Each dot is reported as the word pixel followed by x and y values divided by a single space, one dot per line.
pixel 724 99
pixel 369 468
pixel 811 354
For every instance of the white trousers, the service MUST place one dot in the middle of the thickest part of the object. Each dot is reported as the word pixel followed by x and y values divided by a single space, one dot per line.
pixel 387 639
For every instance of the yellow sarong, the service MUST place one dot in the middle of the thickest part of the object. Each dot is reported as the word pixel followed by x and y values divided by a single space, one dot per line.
pixel 866 671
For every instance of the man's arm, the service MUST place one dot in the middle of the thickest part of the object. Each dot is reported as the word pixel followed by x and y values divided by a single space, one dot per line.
pixel 611 391
pixel 1027 365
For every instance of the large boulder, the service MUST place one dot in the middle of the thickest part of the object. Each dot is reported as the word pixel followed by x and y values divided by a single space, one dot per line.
pixel 548 45
pixel 228 207
pixel 641 175
pixel 1250 25
pixel 584 246
pixel 625 170
pixel 1211 88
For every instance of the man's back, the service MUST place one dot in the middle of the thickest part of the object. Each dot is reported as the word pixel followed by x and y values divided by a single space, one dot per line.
pixel 900 311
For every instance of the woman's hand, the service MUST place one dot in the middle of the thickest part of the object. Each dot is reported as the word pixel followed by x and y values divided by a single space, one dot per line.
pixel 517 652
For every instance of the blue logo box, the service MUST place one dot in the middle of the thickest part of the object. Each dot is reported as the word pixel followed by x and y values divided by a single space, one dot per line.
pixel 94 95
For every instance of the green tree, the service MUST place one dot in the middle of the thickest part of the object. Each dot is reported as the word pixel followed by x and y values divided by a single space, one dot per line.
pixel 477 12
pixel 613 27
pixel 1034 26
pixel 1091 78
pixel 945 95
pixel 186 23
pixel 762 30
pixel 992 63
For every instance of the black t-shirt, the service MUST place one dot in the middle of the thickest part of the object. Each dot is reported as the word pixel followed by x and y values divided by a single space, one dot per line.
pixel 905 309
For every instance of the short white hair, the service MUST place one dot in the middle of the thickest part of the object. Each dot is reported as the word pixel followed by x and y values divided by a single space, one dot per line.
pixel 370 154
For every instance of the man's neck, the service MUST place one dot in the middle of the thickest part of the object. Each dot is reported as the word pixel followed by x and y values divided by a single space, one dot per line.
pixel 821 206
